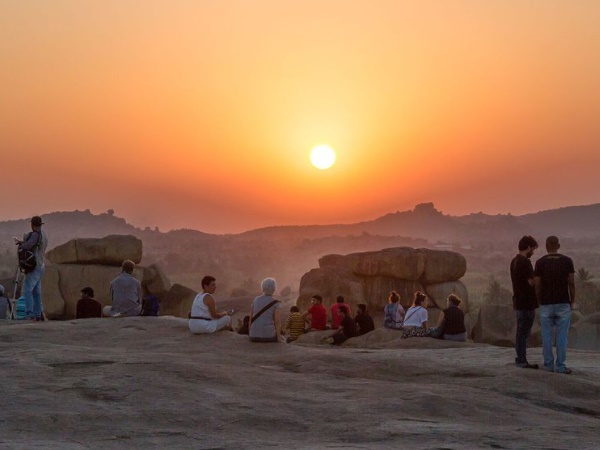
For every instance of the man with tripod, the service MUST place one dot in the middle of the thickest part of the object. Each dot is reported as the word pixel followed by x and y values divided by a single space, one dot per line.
pixel 36 242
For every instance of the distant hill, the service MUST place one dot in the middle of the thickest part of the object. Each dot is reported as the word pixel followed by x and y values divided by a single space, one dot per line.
pixel 424 222
pixel 287 252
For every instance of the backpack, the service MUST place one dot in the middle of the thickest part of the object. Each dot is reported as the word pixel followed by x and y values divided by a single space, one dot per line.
pixel 27 261
pixel 394 316
pixel 150 306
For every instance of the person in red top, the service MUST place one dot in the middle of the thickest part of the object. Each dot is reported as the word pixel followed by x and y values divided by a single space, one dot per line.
pixel 336 318
pixel 318 314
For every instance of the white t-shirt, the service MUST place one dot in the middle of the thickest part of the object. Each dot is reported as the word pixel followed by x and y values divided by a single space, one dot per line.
pixel 415 316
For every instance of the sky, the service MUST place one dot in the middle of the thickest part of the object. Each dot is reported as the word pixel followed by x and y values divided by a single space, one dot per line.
pixel 201 113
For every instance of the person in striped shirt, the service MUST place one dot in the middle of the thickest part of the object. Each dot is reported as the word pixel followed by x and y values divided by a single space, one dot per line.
pixel 294 324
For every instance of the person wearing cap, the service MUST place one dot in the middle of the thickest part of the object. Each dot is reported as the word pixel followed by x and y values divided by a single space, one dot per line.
pixel 317 313
pixel 35 241
pixel 4 302
pixel 125 292
pixel 87 306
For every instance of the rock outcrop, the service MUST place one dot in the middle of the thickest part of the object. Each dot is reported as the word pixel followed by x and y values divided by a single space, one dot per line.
pixel 178 301
pixel 370 276
pixel 108 251
pixel 94 262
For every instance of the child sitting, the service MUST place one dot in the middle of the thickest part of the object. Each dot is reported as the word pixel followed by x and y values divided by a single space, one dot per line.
pixel 294 324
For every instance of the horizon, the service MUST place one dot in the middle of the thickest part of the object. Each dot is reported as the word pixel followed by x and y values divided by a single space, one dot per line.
pixel 160 229
pixel 202 115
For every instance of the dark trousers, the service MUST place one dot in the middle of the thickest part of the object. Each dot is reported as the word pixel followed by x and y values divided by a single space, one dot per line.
pixel 339 339
pixel 525 320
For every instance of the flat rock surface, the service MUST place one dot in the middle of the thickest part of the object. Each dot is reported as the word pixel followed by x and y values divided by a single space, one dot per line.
pixel 146 382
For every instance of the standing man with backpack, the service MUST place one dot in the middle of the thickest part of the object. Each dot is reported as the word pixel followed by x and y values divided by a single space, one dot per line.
pixel 35 242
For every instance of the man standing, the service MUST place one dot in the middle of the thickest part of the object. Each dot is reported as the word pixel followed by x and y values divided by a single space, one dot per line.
pixel 524 299
pixel 36 242
pixel 125 292
pixel 555 290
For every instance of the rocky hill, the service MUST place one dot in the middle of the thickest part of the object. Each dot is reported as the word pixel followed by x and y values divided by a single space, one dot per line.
pixel 287 252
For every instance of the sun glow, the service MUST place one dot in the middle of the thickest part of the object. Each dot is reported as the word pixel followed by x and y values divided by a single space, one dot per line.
pixel 322 157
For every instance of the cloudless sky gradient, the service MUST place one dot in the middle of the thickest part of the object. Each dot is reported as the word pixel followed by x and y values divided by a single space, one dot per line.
pixel 201 113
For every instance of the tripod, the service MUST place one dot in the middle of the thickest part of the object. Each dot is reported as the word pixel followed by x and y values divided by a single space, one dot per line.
pixel 12 302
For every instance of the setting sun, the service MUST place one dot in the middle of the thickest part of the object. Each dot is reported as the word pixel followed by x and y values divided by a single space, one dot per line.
pixel 322 157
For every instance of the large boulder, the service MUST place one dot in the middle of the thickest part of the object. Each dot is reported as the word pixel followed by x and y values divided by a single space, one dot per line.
pixel 441 266
pixel 329 282
pixel 178 301
pixel 404 263
pixel 52 300
pixel 439 292
pixel 155 281
pixel 74 277
pixel 109 250
pixel 377 290
pixel 340 262
pixel 369 277
pixel 585 333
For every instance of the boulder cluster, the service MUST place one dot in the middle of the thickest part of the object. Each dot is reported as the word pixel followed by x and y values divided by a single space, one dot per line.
pixel 369 277
pixel 95 263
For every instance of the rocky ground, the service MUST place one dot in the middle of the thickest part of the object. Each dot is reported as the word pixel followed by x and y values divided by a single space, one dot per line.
pixel 148 383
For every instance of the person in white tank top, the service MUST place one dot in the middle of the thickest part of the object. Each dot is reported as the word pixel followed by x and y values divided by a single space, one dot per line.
pixel 204 317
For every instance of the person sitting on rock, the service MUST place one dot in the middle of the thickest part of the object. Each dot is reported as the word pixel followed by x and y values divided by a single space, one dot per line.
pixel 451 324
pixel 125 292
pixel 87 306
pixel 294 324
pixel 335 316
pixel 317 313
pixel 243 326
pixel 4 304
pixel 363 320
pixel 265 314
pixel 394 312
pixel 204 317
pixel 345 331
pixel 415 322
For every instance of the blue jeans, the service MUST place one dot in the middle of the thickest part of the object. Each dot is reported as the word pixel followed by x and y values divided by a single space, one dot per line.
pixel 32 292
pixel 555 316
pixel 525 320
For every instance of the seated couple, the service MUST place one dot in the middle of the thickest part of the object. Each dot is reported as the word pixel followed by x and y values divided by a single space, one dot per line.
pixel 263 322
pixel 413 323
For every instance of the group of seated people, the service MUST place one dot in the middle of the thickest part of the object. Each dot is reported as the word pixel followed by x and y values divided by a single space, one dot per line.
pixel 125 294
pixel 413 322
pixel 264 322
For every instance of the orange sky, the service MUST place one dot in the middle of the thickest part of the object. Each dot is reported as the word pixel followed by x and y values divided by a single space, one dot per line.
pixel 201 113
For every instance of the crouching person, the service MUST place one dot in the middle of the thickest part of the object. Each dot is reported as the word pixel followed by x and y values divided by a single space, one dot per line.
pixel 204 317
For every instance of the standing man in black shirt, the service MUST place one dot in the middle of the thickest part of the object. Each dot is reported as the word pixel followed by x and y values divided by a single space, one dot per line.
pixel 555 290
pixel 524 299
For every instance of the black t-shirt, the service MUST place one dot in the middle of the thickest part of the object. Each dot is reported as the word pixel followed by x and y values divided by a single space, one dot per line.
pixel 553 270
pixel 454 320
pixel 348 325
pixel 521 270
pixel 88 308
pixel 365 323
